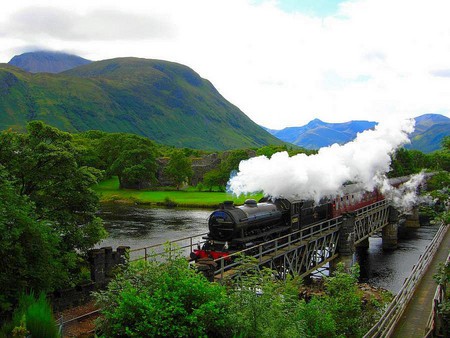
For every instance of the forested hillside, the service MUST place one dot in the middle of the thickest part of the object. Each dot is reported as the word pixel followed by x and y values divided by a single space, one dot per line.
pixel 164 101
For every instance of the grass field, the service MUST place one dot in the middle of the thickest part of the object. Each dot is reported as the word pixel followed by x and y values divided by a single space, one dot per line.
pixel 109 191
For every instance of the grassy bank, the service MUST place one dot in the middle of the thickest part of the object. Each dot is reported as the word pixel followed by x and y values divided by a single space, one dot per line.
pixel 109 191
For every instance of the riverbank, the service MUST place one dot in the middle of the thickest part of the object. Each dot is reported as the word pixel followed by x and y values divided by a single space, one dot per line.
pixel 109 191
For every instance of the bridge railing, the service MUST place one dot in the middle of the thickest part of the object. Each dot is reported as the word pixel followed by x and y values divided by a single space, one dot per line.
pixel 275 246
pixel 371 207
pixel 439 297
pixel 385 326
pixel 184 245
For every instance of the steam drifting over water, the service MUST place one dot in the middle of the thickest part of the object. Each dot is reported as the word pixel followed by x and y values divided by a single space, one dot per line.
pixel 364 160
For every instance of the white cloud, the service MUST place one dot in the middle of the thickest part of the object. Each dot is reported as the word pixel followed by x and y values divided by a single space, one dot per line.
pixel 372 60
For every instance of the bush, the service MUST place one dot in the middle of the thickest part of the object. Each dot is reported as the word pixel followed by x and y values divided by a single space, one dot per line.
pixel 162 299
pixel 262 306
pixel 33 317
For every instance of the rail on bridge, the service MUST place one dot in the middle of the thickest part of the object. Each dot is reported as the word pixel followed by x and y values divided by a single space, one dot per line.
pixel 297 253
pixel 371 219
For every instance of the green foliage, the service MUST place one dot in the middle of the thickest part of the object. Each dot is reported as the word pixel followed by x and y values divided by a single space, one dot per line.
pixel 440 159
pixel 214 178
pixel 438 187
pixel 407 162
pixel 33 317
pixel 47 212
pixel 403 164
pixel 42 165
pixel 261 306
pixel 132 158
pixel 179 168
pixel 220 176
pixel 318 320
pixel 345 302
pixel 29 257
pixel 442 278
pixel 169 299
pixel 269 150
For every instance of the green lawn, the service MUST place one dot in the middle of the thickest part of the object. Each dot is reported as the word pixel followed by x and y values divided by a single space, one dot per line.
pixel 108 191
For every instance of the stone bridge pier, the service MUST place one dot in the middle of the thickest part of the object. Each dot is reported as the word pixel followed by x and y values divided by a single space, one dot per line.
pixel 412 220
pixel 346 243
pixel 353 235
pixel 390 231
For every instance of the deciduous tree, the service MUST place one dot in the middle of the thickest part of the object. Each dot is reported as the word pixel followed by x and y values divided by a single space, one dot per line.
pixel 42 165
pixel 179 168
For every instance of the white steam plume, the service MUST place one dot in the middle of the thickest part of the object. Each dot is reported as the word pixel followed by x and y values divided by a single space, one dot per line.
pixel 364 160
pixel 405 196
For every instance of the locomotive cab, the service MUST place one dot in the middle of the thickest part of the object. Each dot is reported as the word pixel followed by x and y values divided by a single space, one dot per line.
pixel 238 227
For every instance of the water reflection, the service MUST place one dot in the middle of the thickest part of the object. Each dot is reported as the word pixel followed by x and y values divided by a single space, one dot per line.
pixel 139 226
pixel 389 269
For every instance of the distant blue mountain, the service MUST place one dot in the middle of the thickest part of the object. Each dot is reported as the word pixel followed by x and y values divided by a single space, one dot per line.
pixel 47 62
pixel 429 132
pixel 317 134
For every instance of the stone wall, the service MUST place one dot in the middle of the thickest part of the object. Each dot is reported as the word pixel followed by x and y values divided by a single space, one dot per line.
pixel 200 166
pixel 103 263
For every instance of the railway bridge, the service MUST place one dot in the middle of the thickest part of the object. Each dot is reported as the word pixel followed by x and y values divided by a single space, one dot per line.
pixel 310 248
pixel 301 252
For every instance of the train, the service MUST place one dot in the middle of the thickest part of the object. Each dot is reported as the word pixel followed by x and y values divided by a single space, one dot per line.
pixel 233 228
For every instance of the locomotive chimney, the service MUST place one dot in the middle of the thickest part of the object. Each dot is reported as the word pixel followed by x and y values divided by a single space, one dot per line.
pixel 250 203
pixel 228 205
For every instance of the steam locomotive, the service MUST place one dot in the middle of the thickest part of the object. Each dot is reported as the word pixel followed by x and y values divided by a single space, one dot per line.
pixel 233 228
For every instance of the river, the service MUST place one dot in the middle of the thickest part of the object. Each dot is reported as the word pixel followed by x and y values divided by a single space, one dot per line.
pixel 140 226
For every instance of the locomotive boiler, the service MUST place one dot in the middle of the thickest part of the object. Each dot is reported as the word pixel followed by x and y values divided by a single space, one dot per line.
pixel 233 228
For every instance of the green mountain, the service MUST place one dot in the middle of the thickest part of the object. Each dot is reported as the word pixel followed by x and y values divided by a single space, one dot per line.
pixel 429 131
pixel 164 101
pixel 47 62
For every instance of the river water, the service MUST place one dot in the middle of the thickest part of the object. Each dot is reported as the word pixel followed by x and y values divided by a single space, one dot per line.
pixel 140 226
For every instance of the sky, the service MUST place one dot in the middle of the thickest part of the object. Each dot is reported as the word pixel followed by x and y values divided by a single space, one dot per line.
pixel 283 63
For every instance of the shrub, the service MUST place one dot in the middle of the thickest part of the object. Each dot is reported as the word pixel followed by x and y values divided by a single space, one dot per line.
pixel 262 306
pixel 33 317
pixel 162 299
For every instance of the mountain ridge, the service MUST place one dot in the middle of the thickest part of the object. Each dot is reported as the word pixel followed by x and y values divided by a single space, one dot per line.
pixel 47 62
pixel 164 101
pixel 429 132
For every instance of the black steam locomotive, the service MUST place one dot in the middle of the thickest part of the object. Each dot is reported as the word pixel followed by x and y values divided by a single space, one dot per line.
pixel 233 228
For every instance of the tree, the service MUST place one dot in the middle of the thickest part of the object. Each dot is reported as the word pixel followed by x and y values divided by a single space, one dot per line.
pixel 29 255
pixel 440 159
pixel 402 164
pixel 135 168
pixel 132 158
pixel 179 168
pixel 42 165
pixel 212 179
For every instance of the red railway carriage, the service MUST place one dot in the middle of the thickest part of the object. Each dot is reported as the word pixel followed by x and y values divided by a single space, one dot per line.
pixel 233 228
pixel 352 201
